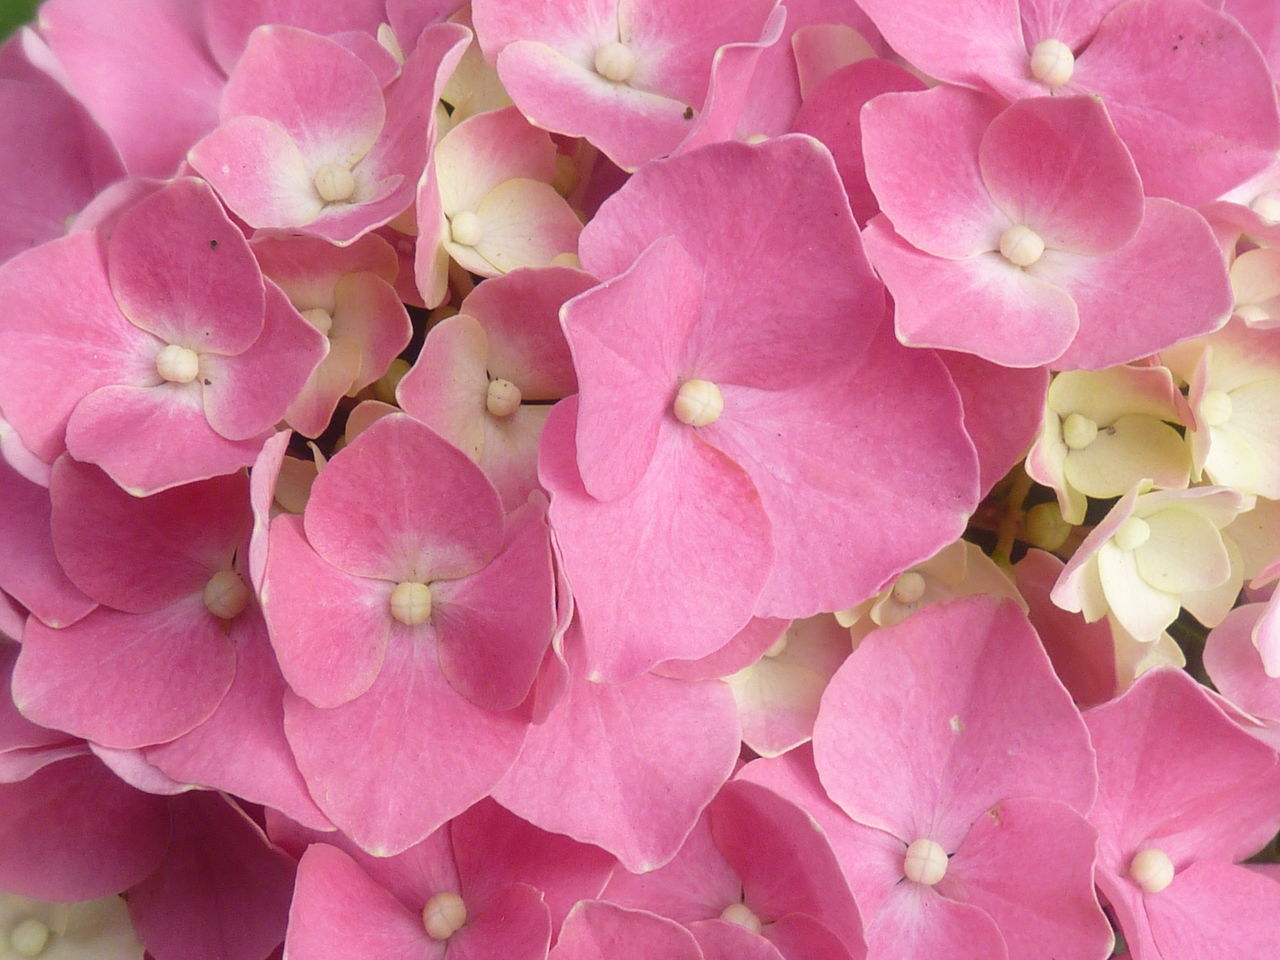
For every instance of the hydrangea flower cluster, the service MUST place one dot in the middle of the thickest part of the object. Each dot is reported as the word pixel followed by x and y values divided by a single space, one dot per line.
pixel 721 480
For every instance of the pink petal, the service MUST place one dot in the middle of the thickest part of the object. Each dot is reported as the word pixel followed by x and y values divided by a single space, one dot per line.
pixel 311 409
pixel 1235 665
pixel 512 923
pixel 707 560
pixel 646 757
pixel 932 138
pixel 1056 165
pixel 721 940
pixel 797 935
pixel 596 930
pixel 917 923
pixel 747 646
pixel 229 23
pixel 344 753
pixel 1215 910
pixel 487 150
pixel 373 513
pixel 180 269
pixel 525 223
pixel 447 385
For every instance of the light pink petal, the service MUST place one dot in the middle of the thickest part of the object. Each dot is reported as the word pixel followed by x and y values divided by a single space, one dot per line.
pixel 344 753
pixel 180 269
pixel 126 680
pixel 447 385
pixel 983 305
pixel 368 312
pixel 489 149
pixel 140 554
pixel 228 23
pixel 241 748
pixel 75 831
pixel 917 923
pixel 921 151
pixel 1168 283
pixel 329 628
pixel 1235 665
pixel 1212 911
pixel 596 930
pixel 707 560
pixel 1002 867
pixel 746 647
pixel 82 337
pixel 629 337
pixel 510 457
pixel 646 757
pixel 982 707
pixel 750 253
pixel 247 394
pixel 1056 165
pixel 375 512
pixel 844 520
pixel 311 409
pixel 1189 93
pixel 222 889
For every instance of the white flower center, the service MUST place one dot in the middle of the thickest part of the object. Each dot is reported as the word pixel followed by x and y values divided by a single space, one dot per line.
pixel 320 318
pixel 1132 534
pixel 178 364
pixel 615 61
pixel 334 183
pixel 1152 870
pixel 29 938
pixel 698 403
pixel 503 398
pixel 741 914
pixel 1052 63
pixel 465 229
pixel 1078 431
pixel 411 605
pixel 1021 245
pixel 909 587
pixel 1215 407
pixel 226 594
pixel 444 915
pixel 925 862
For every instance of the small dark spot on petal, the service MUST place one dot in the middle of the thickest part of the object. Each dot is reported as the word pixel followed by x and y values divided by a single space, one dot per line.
pixel 688 113
pixel 208 383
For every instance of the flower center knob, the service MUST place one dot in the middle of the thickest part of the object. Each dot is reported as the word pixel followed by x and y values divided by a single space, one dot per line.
pixel 411 605
pixel 178 364
pixel 1151 869
pixel 698 403
pixel 1215 407
pixel 909 587
pixel 29 938
pixel 1132 534
pixel 1078 431
pixel 465 229
pixel 444 915
pixel 615 61
pixel 334 183
pixel 503 398
pixel 226 594
pixel 1021 245
pixel 320 318
pixel 1052 62
pixel 741 914
pixel 925 862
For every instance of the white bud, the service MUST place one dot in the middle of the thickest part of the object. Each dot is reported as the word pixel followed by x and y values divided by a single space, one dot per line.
pixel 226 594
pixel 334 183
pixel 503 398
pixel 411 603
pixel 444 915
pixel 178 364
pixel 320 318
pixel 1052 63
pixel 29 938
pixel 925 862
pixel 615 61
pixel 909 587
pixel 1021 245
pixel 1132 534
pixel 698 403
pixel 1078 431
pixel 1152 870
pixel 465 229
pixel 741 914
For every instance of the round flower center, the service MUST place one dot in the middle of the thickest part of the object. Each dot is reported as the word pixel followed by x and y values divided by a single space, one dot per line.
pixel 1078 431
pixel 909 587
pixel 178 364
pixel 1215 407
pixel 444 915
pixel 925 862
pixel 503 398
pixel 1151 869
pixel 741 914
pixel 698 403
pixel 334 183
pixel 411 605
pixel 226 594
pixel 615 61
pixel 1052 63
pixel 1132 534
pixel 465 229
pixel 1021 245
pixel 29 938
pixel 320 318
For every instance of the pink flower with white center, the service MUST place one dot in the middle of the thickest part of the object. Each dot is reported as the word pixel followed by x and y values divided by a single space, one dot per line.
pixel 1184 794
pixel 487 202
pixel 724 450
pixel 164 362
pixel 1104 431
pixel 401 604
pixel 310 140
pixel 347 294
pixel 638 78
pixel 1189 91
pixel 1032 242
pixel 948 853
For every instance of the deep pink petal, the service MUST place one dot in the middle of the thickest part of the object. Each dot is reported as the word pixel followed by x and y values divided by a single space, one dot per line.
pixel 797 935
pixel 228 23
pixel 720 940
pixel 746 647
pixel 596 930
pixel 513 923
pixel 1215 910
